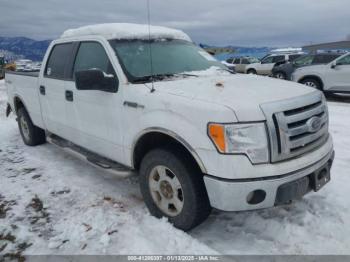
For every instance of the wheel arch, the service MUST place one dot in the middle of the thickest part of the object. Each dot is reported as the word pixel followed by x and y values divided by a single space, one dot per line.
pixel 18 103
pixel 155 137
pixel 251 68
pixel 314 77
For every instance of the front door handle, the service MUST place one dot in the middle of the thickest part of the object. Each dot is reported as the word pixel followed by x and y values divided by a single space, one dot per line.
pixel 42 90
pixel 69 95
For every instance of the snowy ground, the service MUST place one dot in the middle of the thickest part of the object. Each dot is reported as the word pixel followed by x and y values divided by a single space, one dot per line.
pixel 52 203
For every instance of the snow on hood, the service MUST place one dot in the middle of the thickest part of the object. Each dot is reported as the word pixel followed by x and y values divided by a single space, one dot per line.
pixel 242 93
pixel 127 31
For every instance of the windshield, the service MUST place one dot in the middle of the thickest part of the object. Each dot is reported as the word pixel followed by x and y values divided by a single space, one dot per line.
pixel 304 60
pixel 169 57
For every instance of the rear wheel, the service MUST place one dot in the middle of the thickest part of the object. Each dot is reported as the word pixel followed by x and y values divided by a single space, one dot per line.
pixel 31 134
pixel 311 82
pixel 174 189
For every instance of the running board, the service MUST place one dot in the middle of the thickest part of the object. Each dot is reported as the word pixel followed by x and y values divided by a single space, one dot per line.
pixel 92 158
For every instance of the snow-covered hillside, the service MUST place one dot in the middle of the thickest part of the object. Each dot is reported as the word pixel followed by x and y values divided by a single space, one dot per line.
pixel 52 203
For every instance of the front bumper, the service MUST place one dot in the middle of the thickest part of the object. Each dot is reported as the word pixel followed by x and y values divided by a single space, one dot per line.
pixel 258 193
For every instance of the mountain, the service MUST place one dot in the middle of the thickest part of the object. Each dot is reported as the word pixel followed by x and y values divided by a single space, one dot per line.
pixel 258 52
pixel 24 47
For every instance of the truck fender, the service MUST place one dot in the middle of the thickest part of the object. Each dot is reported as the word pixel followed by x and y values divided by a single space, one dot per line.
pixel 173 135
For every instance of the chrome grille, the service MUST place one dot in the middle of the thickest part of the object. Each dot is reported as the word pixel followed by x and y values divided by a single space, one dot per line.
pixel 297 125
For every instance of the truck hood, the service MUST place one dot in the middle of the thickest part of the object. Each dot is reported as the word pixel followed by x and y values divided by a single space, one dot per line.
pixel 242 93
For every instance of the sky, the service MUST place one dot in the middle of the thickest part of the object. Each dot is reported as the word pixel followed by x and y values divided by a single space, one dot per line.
pixel 217 22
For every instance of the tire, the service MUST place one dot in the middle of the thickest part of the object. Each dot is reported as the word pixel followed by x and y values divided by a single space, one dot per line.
pixel 191 204
pixel 280 75
pixel 252 71
pixel 311 82
pixel 31 134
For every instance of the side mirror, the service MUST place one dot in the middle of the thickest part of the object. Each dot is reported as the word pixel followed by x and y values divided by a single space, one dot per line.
pixel 96 79
pixel 334 65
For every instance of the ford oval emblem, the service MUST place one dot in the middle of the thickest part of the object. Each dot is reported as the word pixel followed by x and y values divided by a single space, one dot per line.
pixel 314 124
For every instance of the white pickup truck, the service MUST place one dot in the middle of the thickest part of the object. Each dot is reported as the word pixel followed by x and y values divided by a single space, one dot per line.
pixel 198 136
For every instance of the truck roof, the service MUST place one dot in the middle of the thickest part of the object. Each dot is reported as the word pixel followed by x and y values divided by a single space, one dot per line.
pixel 127 31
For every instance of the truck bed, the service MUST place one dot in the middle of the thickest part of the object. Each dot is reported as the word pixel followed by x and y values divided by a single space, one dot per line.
pixel 33 74
pixel 24 86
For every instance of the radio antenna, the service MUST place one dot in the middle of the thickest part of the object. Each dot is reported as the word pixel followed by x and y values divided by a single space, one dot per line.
pixel 150 43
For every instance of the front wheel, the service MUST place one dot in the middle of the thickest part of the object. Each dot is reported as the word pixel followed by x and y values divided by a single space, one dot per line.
pixel 174 189
pixel 312 83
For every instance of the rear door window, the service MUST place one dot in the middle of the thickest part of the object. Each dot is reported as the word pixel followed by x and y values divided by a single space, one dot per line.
pixel 268 60
pixel 56 64
pixel 293 57
pixel 245 61
pixel 230 60
pixel 278 59
pixel 236 61
pixel 324 59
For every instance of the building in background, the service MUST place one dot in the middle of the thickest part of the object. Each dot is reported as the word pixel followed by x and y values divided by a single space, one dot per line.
pixel 341 46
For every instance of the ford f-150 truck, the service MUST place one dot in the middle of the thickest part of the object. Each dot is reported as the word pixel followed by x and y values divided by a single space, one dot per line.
pixel 150 102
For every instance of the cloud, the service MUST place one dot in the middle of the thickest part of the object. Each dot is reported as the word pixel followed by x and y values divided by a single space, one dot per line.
pixel 238 22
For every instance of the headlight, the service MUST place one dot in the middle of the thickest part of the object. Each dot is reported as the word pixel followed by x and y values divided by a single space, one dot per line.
pixel 248 139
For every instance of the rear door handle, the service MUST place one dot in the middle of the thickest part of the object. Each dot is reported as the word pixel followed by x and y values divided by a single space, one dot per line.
pixel 42 90
pixel 69 95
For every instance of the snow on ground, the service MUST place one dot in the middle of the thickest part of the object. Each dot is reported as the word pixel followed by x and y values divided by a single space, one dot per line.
pixel 52 203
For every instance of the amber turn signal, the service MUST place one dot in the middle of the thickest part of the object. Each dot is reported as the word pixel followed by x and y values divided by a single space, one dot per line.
pixel 217 135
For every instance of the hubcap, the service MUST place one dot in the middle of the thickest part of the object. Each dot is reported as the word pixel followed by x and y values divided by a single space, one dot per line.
pixel 166 190
pixel 310 84
pixel 25 128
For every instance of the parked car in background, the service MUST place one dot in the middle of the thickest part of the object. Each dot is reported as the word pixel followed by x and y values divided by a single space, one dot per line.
pixel 22 65
pixel 333 77
pixel 198 136
pixel 36 66
pixel 229 63
pixel 285 70
pixel 264 67
pixel 2 67
pixel 239 63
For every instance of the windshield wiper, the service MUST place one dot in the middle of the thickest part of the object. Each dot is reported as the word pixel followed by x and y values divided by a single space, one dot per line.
pixel 159 77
